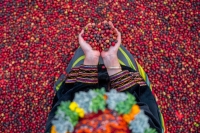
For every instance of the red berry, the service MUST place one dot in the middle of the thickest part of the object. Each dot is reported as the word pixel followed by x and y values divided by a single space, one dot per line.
pixel 100 37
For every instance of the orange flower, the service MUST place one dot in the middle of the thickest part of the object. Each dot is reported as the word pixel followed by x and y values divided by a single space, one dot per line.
pixel 85 130
pixel 98 131
pixel 53 129
pixel 135 109
pixel 105 97
pixel 130 116
pixel 108 130
pixel 127 118
pixel 120 132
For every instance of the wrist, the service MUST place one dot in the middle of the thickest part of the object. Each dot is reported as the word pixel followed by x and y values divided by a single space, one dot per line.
pixel 113 71
pixel 91 60
pixel 111 61
pixel 112 64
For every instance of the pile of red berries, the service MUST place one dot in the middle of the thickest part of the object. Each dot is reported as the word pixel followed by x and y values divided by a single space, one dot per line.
pixel 39 38
pixel 100 36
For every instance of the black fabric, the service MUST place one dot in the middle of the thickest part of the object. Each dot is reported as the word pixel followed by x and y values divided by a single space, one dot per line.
pixel 143 95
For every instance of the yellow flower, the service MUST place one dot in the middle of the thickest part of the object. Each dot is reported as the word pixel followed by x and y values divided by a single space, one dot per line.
pixel 80 112
pixel 53 129
pixel 73 106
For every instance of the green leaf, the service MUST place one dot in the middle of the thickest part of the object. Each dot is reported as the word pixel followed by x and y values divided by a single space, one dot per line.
pixel 150 130
pixel 124 107
pixel 100 91
pixel 73 116
pixel 64 106
pixel 98 103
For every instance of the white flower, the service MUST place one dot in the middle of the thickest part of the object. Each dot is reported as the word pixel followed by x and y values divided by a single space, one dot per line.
pixel 62 122
pixel 140 123
pixel 114 98
pixel 84 100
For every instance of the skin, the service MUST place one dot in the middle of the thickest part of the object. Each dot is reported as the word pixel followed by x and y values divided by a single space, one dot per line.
pixel 109 57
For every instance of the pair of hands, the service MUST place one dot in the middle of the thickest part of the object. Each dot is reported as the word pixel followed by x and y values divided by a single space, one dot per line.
pixel 109 57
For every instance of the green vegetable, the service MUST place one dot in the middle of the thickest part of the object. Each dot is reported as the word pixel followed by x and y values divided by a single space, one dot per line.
pixel 124 107
pixel 150 130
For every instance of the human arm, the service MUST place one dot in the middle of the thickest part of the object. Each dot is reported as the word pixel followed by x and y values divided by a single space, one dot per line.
pixel 109 57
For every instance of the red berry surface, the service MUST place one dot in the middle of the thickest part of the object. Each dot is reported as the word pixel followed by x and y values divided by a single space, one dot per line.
pixel 38 39
pixel 100 36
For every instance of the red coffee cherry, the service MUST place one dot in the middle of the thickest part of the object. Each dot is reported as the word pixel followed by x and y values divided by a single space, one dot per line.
pixel 101 36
